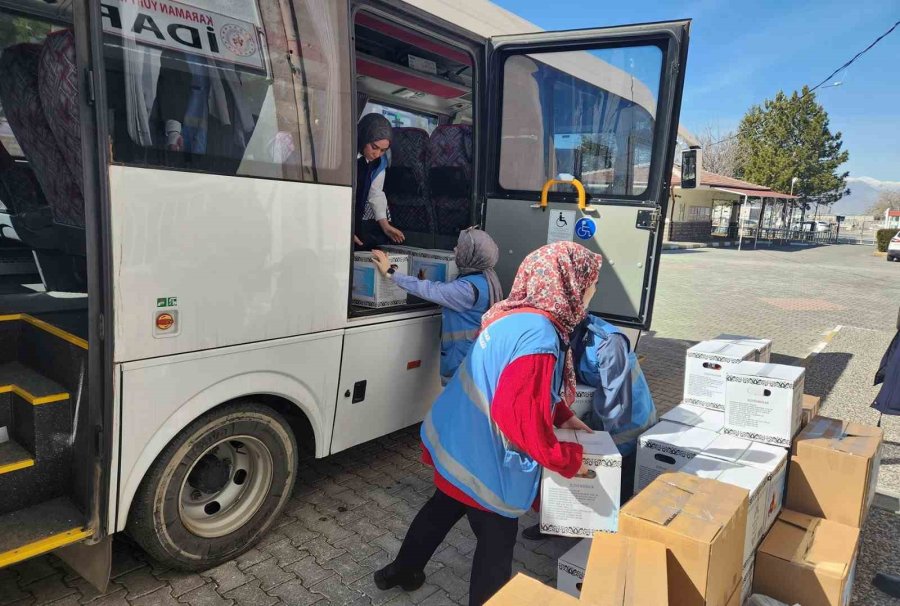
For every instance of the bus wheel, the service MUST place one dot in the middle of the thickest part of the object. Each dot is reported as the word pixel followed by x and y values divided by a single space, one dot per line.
pixel 216 488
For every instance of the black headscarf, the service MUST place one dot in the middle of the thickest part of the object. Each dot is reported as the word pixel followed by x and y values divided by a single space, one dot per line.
pixel 372 127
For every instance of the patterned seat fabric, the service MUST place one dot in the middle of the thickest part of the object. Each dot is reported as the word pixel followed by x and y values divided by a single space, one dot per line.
pixel 58 89
pixel 406 181
pixel 20 97
pixel 450 177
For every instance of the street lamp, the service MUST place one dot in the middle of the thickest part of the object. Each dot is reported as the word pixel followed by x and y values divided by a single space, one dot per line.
pixel 794 181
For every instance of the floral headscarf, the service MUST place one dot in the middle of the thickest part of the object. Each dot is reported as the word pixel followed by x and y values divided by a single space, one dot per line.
pixel 552 281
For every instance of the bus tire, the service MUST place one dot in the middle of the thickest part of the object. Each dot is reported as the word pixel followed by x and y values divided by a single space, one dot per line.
pixel 216 488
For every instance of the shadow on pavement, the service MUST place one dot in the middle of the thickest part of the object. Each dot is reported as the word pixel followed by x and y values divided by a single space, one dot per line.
pixel 824 371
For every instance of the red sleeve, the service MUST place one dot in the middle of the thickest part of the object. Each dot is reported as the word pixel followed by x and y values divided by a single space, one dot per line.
pixel 521 410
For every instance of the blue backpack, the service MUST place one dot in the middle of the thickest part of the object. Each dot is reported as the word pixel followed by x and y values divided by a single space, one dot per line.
pixel 622 403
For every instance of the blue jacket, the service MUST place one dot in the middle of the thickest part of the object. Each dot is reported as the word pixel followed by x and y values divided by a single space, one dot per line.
pixel 888 399
pixel 461 327
pixel 467 447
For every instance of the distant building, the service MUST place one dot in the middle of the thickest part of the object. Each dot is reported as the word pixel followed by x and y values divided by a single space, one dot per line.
pixel 892 219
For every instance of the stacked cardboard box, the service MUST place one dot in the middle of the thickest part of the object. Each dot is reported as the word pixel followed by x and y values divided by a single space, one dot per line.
pixel 370 288
pixel 763 402
pixel 666 447
pixel 763 347
pixel 702 523
pixel 705 368
pixel 584 398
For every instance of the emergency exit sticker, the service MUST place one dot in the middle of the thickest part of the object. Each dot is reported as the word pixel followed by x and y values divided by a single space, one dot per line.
pixel 562 226
pixel 167 302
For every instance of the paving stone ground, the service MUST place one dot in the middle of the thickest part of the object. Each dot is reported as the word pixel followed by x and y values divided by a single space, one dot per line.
pixel 349 512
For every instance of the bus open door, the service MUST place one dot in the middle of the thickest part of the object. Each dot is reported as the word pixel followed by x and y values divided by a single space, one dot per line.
pixel 585 157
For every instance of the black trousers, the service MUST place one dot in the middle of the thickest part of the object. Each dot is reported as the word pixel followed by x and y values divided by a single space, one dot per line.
pixel 496 536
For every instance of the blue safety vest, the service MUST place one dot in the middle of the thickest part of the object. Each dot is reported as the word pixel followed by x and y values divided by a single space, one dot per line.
pixel 465 444
pixel 461 327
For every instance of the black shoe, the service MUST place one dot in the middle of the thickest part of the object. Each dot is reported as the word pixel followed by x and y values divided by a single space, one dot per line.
pixel 888 583
pixel 388 578
pixel 533 533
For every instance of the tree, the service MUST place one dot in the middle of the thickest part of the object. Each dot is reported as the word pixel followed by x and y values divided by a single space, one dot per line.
pixel 720 151
pixel 888 200
pixel 789 137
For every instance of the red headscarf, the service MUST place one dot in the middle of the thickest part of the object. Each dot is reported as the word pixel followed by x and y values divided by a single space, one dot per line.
pixel 552 281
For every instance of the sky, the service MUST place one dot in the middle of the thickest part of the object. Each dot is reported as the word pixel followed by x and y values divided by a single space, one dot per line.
pixel 744 52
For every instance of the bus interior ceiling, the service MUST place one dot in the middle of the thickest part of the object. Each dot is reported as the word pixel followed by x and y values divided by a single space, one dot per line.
pixel 43 283
pixel 424 86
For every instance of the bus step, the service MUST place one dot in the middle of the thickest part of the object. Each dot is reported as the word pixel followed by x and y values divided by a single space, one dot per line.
pixel 14 458
pixel 40 529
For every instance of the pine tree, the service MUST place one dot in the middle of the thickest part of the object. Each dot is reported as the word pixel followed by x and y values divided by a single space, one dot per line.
pixel 789 137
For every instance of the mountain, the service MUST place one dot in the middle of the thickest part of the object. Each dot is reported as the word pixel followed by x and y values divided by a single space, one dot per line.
pixel 864 192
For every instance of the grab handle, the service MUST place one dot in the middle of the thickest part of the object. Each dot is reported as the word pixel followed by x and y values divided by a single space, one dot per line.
pixel 582 197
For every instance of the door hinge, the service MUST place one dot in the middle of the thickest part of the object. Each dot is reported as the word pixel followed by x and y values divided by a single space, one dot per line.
pixel 649 218
pixel 89 86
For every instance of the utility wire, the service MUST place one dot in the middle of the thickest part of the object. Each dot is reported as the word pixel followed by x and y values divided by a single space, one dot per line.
pixel 832 74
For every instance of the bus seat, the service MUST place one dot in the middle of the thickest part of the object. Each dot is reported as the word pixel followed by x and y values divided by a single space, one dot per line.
pixel 58 89
pixel 28 210
pixel 450 180
pixel 21 101
pixel 406 183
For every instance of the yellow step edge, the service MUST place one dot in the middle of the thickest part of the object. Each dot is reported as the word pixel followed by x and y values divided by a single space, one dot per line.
pixel 53 330
pixel 16 466
pixel 31 398
pixel 42 546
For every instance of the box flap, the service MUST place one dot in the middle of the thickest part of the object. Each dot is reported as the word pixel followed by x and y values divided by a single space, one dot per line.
pixel 728 448
pixel 710 350
pixel 598 443
pixel 676 434
pixel 776 372
pixel 625 571
pixel 825 546
pixel 525 591
pixel 835 434
pixel 693 507
pixel 751 479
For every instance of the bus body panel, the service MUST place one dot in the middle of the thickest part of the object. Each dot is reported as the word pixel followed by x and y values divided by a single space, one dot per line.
pixel 399 363
pixel 275 265
pixel 160 397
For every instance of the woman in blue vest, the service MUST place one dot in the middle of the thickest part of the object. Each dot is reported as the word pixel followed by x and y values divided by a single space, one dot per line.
pixel 371 214
pixel 464 300
pixel 490 432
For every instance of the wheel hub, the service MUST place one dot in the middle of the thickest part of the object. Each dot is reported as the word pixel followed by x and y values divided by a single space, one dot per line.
pixel 210 474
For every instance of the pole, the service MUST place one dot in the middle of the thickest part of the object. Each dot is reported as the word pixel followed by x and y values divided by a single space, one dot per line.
pixel 741 227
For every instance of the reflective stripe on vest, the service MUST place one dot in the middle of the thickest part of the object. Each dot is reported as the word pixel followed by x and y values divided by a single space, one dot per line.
pixel 460 328
pixel 467 447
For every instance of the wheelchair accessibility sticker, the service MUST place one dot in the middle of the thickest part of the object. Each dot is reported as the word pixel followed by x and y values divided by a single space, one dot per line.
pixel 585 228
pixel 561 227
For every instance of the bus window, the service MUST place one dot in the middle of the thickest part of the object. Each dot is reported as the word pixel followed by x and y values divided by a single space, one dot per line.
pixel 555 123
pixel 256 89
pixel 402 118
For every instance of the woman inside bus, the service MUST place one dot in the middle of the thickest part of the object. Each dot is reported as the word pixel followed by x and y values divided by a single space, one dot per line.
pixel 372 218
pixel 464 300
pixel 491 430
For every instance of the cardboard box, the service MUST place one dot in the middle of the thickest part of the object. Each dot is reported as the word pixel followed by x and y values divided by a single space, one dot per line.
pixel 696 416
pixel 702 524
pixel 666 447
pixel 747 579
pixel 763 347
pixel 771 459
pixel 763 402
pixel 582 506
pixel 752 479
pixel 705 368
pixel 525 591
pixel 834 470
pixel 570 568
pixel 810 409
pixel 807 560
pixel 434 265
pixel 370 288
pixel 624 571
pixel 584 398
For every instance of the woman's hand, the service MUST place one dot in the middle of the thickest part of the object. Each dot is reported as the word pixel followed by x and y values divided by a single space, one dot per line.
pixel 357 241
pixel 393 233
pixel 577 424
pixel 381 262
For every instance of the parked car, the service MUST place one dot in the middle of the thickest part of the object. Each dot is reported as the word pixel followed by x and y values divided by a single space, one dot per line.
pixel 893 251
